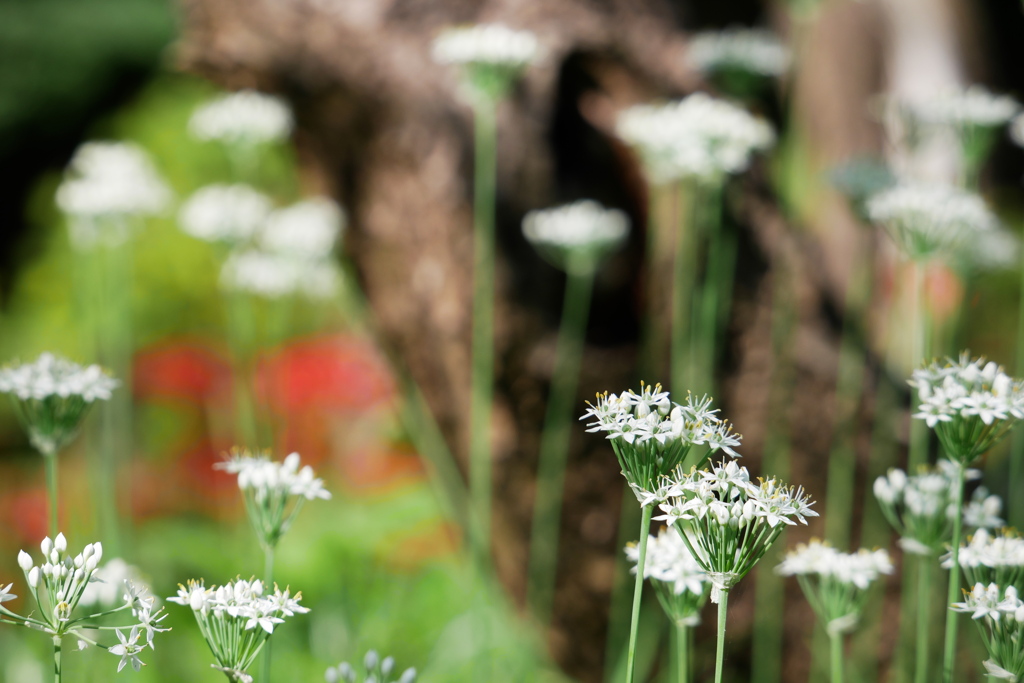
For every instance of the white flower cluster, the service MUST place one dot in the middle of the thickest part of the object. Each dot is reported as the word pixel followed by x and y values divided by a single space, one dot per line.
pixel 727 521
pixel 308 229
pixel 1003 629
pixel 488 44
pixel 969 402
pixel 274 492
pixel 52 375
pixel 922 507
pixel 756 51
pixel 376 670
pixel 59 585
pixel 991 558
pixel 698 137
pixel 983 509
pixel 105 589
pixel 926 220
pixel 225 213
pixel 274 275
pixel 106 184
pixel 820 559
pixel 243 117
pixel 236 619
pixel 576 235
pixel 652 416
pixel 52 395
pixel 670 561
pixel 973 106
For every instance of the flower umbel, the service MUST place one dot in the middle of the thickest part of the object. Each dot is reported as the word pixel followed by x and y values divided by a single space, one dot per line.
pixel 835 583
pixel 52 395
pixel 245 117
pixel 681 585
pixel 577 236
pixel 491 55
pixel 992 558
pixel 999 613
pixel 273 491
pixel 374 670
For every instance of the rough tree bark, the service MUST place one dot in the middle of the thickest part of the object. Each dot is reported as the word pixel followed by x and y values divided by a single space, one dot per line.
pixel 385 131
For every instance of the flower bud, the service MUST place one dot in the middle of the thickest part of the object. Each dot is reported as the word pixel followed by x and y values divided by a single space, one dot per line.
pixel 371 660
pixel 98 549
pixel 387 665
pixel 24 561
pixel 46 546
pixel 408 677
pixel 60 544
pixel 33 577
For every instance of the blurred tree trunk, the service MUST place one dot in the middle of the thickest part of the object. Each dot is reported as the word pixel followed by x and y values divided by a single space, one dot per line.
pixel 383 128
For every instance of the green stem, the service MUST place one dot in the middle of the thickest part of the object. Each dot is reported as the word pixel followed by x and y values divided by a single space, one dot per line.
pixel 923 613
pixel 554 445
pixel 720 652
pixel 645 523
pixel 56 659
pixel 836 651
pixel 51 491
pixel 682 654
pixel 268 585
pixel 482 389
pixel 717 268
pixel 683 284
pixel 949 656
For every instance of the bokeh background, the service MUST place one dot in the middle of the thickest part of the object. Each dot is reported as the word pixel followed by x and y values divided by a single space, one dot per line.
pixel 383 130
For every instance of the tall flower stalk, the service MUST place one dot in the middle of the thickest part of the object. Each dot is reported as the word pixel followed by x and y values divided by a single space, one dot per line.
pixel 971 405
pixel 728 524
pixel 652 437
pixel 492 58
pixel 575 238
pixel 836 585
pixel 51 397
pixel 273 493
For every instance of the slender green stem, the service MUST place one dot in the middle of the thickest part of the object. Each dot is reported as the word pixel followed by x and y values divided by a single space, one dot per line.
pixel 554 445
pixel 723 606
pixel 682 653
pixel 634 622
pixel 52 492
pixel 482 389
pixel 706 328
pixel 683 284
pixel 56 659
pixel 836 656
pixel 949 656
pixel 268 585
pixel 924 589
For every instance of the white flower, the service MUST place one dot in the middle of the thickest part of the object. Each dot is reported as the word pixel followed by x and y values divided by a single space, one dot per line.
pixel 224 213
pixel 983 510
pixel 105 184
pixel 974 106
pixel 307 229
pixel 375 670
pixel 128 650
pixel 107 586
pixel 52 375
pixel 581 232
pixel 753 50
pixel 697 137
pixel 489 44
pixel 277 275
pixel 243 117
pixel 6 594
pixel 925 220
pixel 670 561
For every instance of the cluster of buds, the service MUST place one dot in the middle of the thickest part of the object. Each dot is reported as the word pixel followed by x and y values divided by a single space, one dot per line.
pixel 52 395
pixel 681 585
pixel 273 491
pixel 727 522
pixel 57 586
pixel 834 582
pixel 375 670
pixel 652 436
pixel 237 619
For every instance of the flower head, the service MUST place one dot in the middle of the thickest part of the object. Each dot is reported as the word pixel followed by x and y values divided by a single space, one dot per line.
pixel 273 276
pixel 727 522
pixel 225 213
pixel 834 582
pixel 698 137
pixel 929 220
pixel 52 395
pixel 755 52
pixel 274 491
pixel 991 557
pixel 970 403
pixel 373 670
pixel 999 613
pixel 492 55
pixel 576 236
pixel 973 106
pixel 105 186
pixel 680 583
pixel 237 619
pixel 652 436
pixel 307 229
pixel 242 118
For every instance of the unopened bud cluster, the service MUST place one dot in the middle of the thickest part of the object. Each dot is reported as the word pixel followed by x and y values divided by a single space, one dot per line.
pixel 374 670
